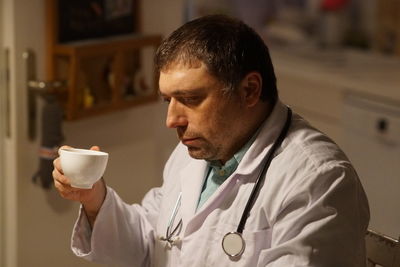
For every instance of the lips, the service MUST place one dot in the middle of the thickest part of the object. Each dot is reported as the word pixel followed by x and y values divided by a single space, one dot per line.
pixel 187 137
pixel 189 141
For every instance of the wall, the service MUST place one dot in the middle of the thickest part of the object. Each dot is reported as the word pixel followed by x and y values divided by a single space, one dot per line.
pixel 136 139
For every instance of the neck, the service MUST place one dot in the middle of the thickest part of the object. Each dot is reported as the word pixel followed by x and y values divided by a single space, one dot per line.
pixel 251 123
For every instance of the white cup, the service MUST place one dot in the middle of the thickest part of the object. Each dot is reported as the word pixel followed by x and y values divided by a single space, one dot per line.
pixel 82 166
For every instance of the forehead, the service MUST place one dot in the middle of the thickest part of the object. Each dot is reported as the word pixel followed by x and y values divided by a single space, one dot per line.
pixel 181 77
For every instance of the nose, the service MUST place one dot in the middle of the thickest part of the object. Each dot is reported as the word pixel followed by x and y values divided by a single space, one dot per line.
pixel 175 116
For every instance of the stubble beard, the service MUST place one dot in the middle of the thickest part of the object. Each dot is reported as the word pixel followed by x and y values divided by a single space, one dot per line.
pixel 205 150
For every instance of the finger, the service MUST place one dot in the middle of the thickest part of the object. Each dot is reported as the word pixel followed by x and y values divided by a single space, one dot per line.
pixel 66 190
pixel 56 162
pixel 57 165
pixel 59 186
pixel 62 189
pixel 97 148
pixel 66 193
pixel 59 177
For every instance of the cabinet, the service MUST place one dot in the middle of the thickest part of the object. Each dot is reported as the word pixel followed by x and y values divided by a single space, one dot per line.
pixel 98 50
pixel 372 142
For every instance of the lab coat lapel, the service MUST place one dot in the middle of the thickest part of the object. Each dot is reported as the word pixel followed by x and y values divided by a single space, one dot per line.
pixel 191 179
pixel 265 140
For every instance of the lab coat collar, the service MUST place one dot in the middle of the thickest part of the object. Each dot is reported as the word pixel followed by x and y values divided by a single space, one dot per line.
pixel 191 180
pixel 269 132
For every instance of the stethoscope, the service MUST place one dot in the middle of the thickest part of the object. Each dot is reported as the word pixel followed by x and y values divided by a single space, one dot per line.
pixel 233 243
pixel 169 235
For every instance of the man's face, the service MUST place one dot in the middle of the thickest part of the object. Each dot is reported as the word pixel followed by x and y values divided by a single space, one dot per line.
pixel 208 122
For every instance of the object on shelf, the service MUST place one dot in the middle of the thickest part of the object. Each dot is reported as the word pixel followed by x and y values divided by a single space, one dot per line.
pixel 387 34
pixel 88 99
pixel 332 23
pixel 140 84
pixel 333 5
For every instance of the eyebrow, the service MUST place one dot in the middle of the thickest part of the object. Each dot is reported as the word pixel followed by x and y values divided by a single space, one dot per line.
pixel 183 92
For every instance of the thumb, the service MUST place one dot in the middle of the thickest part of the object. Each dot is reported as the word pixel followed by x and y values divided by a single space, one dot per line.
pixel 95 148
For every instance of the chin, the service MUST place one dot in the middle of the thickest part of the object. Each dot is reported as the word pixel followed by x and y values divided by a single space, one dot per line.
pixel 198 153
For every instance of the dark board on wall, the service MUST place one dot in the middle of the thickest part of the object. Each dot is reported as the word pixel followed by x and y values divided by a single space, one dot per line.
pixel 87 19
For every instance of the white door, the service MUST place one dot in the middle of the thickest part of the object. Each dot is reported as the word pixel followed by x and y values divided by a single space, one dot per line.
pixel 35 223
pixel 19 20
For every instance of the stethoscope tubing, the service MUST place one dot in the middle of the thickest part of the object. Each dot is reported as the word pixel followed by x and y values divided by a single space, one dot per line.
pixel 262 174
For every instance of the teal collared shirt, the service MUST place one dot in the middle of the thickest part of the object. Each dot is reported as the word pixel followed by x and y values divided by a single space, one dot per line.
pixel 217 173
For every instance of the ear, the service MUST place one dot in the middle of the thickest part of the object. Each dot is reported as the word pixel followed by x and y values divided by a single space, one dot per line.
pixel 250 88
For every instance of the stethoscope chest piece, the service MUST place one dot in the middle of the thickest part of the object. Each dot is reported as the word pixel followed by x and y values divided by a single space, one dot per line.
pixel 233 244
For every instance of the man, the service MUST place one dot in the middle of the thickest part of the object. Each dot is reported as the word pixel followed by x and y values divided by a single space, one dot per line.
pixel 309 208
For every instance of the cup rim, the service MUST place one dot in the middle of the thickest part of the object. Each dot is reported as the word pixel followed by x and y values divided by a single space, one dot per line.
pixel 83 151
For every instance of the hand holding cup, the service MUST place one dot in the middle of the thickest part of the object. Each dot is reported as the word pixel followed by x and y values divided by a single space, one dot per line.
pixel 89 192
pixel 83 167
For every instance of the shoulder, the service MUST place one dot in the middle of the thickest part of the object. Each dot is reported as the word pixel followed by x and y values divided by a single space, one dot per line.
pixel 310 159
pixel 309 167
pixel 310 147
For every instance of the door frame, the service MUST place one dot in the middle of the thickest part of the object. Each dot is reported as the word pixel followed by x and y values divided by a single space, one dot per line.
pixel 2 134
pixel 9 96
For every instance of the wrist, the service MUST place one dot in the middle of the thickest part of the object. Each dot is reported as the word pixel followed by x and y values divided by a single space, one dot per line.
pixel 94 201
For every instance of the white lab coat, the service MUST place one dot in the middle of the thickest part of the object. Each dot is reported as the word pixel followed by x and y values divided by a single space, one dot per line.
pixel 311 210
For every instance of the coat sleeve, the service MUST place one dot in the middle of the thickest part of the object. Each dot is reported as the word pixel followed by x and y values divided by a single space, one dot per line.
pixel 122 234
pixel 321 221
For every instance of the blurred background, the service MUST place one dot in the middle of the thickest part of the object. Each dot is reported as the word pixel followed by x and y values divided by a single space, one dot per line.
pixel 336 61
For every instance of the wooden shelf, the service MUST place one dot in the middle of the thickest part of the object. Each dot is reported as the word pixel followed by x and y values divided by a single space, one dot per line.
pixel 105 75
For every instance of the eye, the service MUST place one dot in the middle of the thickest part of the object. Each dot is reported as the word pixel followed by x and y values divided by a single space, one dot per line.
pixel 190 100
